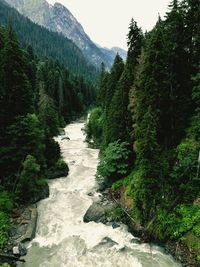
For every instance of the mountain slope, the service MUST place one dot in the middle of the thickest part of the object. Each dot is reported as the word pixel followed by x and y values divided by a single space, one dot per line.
pixel 58 18
pixel 47 43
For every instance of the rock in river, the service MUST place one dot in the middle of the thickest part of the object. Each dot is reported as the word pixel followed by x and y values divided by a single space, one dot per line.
pixel 95 213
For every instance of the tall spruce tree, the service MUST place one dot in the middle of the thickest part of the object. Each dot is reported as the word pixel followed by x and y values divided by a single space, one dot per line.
pixel 119 116
pixel 115 74
pixel 110 131
pixel 149 87
pixel 16 93
pixel 179 88
pixel 17 96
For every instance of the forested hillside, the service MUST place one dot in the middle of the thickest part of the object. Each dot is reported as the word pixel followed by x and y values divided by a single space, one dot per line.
pixel 37 99
pixel 147 124
pixel 47 43
pixel 58 18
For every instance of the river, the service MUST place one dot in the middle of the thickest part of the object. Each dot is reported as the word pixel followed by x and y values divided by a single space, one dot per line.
pixel 64 240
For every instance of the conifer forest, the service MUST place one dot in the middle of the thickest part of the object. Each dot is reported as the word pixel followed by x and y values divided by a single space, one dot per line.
pixel 144 119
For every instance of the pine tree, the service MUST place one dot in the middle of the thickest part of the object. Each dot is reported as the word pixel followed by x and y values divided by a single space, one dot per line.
pixel 110 131
pixel 102 86
pixel 17 96
pixel 179 68
pixel 149 86
pixel 115 74
pixel 119 116
pixel 135 41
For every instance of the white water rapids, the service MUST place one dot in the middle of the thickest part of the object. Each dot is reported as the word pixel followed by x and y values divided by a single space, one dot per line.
pixel 64 240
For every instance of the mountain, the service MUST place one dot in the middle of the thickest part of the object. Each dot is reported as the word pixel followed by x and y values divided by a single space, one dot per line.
pixel 47 43
pixel 58 18
pixel 120 51
pixel 111 53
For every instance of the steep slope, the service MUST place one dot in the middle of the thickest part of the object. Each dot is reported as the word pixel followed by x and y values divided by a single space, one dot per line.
pixel 58 18
pixel 47 43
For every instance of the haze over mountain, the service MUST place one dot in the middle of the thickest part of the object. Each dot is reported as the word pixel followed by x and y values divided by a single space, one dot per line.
pixel 58 18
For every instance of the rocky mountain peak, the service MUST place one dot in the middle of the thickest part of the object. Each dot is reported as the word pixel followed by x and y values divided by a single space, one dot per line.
pixel 59 19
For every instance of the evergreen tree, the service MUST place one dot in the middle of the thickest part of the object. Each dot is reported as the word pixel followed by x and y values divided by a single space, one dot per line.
pixel 148 90
pixel 17 96
pixel 135 41
pixel 102 86
pixel 110 133
pixel 25 136
pixel 122 126
pixel 115 74
pixel 30 181
pixel 179 88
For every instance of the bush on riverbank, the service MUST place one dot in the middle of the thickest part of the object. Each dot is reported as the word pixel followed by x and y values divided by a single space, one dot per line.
pixel 60 169
pixel 31 181
pixel 94 126
pixel 4 225
pixel 114 161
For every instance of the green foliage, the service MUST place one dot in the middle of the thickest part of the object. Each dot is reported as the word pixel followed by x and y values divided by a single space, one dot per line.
pixel 4 224
pixel 114 161
pixel 6 203
pixel 48 44
pixel 61 165
pixel 184 173
pixel 46 88
pixel 52 152
pixel 196 230
pixel 94 126
pixel 16 94
pixel 123 182
pixel 48 115
pixel 27 134
pixel 175 224
pixel 115 214
pixel 30 180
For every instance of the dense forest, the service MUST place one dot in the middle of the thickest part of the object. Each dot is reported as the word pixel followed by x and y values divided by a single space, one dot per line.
pixel 38 96
pixel 147 125
pixel 146 121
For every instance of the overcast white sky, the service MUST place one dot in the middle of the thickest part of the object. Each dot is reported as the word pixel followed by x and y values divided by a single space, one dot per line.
pixel 107 21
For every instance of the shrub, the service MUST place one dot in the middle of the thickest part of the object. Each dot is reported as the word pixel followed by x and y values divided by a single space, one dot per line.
pixel 175 224
pixel 4 224
pixel 114 161
pixel 94 126
pixel 6 203
pixel 61 165
pixel 30 181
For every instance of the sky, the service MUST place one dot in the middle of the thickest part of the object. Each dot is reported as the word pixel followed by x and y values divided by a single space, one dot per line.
pixel 107 21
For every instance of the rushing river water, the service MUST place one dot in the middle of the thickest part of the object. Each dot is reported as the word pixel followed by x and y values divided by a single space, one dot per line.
pixel 64 240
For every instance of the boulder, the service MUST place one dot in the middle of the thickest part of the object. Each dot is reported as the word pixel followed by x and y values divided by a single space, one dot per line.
pixel 65 138
pixel 115 225
pixel 42 194
pixel 95 213
pixel 24 230
pixel 19 250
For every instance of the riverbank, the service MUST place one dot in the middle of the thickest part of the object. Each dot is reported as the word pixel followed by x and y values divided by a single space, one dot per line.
pixel 22 229
pixel 64 239
pixel 179 250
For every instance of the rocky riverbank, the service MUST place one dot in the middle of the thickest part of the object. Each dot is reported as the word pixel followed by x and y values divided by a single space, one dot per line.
pixel 23 221
pixel 23 226
pixel 100 211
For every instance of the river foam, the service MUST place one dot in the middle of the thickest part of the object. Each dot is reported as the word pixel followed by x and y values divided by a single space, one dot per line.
pixel 64 240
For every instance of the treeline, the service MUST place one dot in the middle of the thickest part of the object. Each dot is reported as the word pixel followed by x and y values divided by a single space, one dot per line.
pixel 47 43
pixel 147 124
pixel 37 98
